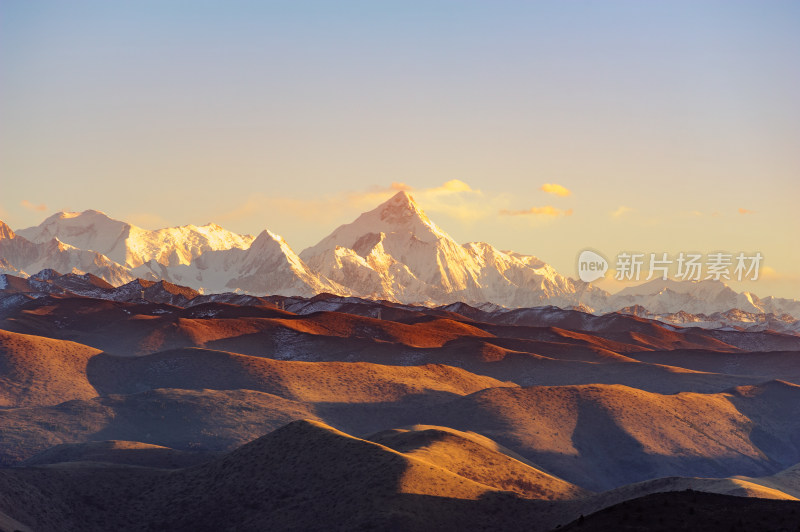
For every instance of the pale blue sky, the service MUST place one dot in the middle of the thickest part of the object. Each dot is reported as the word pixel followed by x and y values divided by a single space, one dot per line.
pixel 296 116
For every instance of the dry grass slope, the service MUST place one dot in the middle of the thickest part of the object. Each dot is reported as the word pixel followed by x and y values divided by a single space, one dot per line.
pixel 36 371
pixel 480 459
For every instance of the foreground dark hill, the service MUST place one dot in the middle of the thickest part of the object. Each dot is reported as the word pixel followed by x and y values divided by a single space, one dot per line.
pixel 689 511
pixel 305 476
pixel 309 476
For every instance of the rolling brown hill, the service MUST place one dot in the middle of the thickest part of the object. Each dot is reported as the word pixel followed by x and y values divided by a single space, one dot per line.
pixel 311 382
pixel 182 419
pixel 524 354
pixel 91 321
pixel 600 437
pixel 431 419
pixel 767 365
pixel 478 458
pixel 596 436
pixel 36 371
pixel 305 475
pixel 786 481
pixel 195 398
pixel 130 453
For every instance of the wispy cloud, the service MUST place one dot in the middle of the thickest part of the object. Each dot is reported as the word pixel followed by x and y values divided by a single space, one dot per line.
pixel 745 211
pixel 458 200
pixel 453 186
pixel 30 206
pixel 557 190
pixel 770 273
pixel 362 198
pixel 621 210
pixel 449 197
pixel 547 210
pixel 453 198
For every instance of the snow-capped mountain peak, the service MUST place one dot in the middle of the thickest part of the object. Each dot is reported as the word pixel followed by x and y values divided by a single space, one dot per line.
pixel 707 287
pixel 393 252
pixel 401 213
pixel 89 230
pixel 20 256
pixel 267 247
pixel 697 297
pixel 396 252
pixel 267 266
pixel 400 216
pixel 132 246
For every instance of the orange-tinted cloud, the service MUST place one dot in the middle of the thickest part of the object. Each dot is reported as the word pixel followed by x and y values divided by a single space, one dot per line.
pixel 620 211
pixel 770 273
pixel 557 190
pixel 454 186
pixel 451 187
pixel 547 210
pixel 399 186
pixel 454 198
pixel 30 206
pixel 745 211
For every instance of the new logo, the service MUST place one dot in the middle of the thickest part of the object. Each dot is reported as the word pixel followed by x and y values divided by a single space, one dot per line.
pixel 591 266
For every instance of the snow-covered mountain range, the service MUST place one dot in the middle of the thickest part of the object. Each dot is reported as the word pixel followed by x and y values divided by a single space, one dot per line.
pixel 393 252
pixel 698 297
pixel 132 246
pixel 17 293
pixel 396 252
pixel 20 256
pixel 268 266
